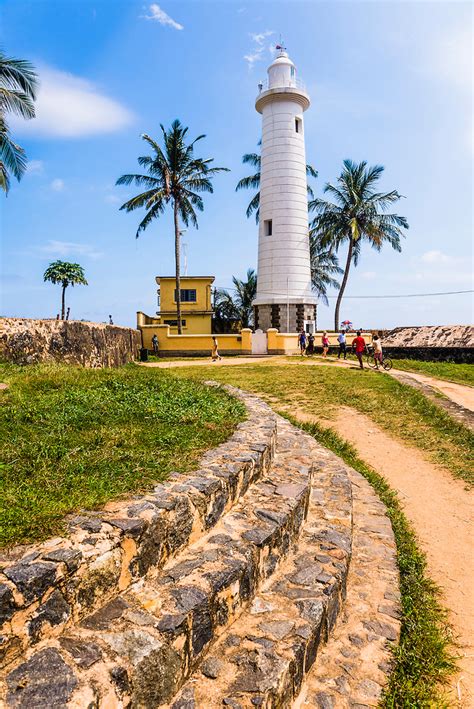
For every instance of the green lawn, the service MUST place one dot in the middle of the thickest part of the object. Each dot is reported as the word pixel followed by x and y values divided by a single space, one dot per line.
pixel 460 373
pixel 400 409
pixel 74 438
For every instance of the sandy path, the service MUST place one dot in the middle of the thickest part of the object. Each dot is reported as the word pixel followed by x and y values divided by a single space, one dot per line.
pixel 461 394
pixel 441 511
pixel 224 362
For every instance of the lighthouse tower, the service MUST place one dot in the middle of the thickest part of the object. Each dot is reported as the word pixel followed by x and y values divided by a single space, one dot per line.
pixel 284 298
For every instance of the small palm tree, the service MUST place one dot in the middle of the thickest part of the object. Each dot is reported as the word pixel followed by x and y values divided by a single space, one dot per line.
pixel 67 274
pixel 253 182
pixel 238 307
pixel 18 83
pixel 324 266
pixel 175 177
pixel 356 215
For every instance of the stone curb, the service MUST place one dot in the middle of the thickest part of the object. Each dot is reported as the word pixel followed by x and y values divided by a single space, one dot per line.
pixel 57 583
pixel 263 657
pixel 458 412
pixel 352 669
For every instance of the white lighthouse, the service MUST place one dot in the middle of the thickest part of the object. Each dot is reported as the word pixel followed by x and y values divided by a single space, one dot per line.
pixel 284 297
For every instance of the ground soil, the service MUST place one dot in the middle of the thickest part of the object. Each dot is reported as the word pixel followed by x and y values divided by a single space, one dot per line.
pixel 441 511
pixel 461 394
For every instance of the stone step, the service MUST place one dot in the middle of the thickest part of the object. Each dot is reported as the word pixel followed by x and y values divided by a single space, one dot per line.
pixel 262 658
pixel 141 645
pixel 46 588
pixel 352 668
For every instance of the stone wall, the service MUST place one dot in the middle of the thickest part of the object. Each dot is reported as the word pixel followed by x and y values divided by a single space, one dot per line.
pixel 443 343
pixel 25 341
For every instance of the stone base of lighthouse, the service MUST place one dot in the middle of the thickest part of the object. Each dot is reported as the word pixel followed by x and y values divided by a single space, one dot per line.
pixel 285 317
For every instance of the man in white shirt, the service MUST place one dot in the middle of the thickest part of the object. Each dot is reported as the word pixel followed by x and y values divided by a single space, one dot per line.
pixel 342 344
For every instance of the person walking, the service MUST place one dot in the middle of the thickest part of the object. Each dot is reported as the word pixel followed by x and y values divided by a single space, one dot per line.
pixel 310 348
pixel 342 344
pixel 215 350
pixel 154 342
pixel 358 345
pixel 378 352
pixel 325 341
pixel 302 341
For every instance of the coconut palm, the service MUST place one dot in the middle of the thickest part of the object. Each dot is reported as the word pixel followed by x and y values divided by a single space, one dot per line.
pixel 67 274
pixel 324 266
pixel 357 214
pixel 18 83
pixel 175 177
pixel 253 182
pixel 237 308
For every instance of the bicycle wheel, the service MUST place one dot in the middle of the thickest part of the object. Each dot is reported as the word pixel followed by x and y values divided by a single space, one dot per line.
pixel 371 361
pixel 387 364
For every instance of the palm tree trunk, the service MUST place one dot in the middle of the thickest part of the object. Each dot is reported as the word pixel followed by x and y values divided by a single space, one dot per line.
pixel 343 284
pixel 63 303
pixel 177 258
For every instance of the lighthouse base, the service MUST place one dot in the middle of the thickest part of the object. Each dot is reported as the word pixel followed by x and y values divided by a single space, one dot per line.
pixel 285 317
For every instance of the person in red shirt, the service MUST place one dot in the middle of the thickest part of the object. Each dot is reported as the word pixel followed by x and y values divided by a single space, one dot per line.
pixel 358 344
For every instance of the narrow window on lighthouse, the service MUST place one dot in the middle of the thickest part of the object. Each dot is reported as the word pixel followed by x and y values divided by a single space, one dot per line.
pixel 298 125
pixel 267 227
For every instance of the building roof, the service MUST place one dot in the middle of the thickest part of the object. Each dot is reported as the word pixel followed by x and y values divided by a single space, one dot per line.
pixel 185 278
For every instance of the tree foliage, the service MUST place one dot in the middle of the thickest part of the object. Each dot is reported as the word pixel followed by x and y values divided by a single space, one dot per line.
pixel 67 274
pixel 357 214
pixel 18 83
pixel 324 266
pixel 233 311
pixel 175 177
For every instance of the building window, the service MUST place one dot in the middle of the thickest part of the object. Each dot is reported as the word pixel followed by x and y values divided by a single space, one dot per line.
pixel 174 323
pixel 298 125
pixel 188 295
pixel 267 227
pixel 292 72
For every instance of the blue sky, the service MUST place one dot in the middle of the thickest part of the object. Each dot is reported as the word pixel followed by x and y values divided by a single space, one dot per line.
pixel 390 82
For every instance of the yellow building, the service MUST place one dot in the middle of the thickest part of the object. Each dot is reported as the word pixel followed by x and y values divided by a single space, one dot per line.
pixel 196 305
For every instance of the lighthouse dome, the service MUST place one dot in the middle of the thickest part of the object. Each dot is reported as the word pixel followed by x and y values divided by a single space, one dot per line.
pixel 281 72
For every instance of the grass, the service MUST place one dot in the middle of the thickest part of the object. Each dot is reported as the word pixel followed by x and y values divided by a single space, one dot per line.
pixel 74 438
pixel 401 410
pixel 423 660
pixel 450 371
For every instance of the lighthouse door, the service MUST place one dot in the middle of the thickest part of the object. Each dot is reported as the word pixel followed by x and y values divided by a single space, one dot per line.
pixel 259 343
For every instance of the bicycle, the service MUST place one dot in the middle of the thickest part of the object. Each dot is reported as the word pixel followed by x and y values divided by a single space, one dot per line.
pixel 373 363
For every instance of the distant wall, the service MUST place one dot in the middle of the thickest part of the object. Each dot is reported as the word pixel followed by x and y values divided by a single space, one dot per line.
pixel 25 341
pixel 432 354
pixel 195 345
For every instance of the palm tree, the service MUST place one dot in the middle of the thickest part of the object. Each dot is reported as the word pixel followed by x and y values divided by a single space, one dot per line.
pixel 18 82
pixel 357 214
pixel 253 182
pixel 67 274
pixel 175 176
pixel 237 308
pixel 324 265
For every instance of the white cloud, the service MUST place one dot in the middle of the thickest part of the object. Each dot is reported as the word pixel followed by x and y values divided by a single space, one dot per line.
pixel 112 199
pixel 368 275
pixel 69 106
pixel 436 257
pixel 156 13
pixel 257 51
pixel 35 167
pixel 57 185
pixel 69 248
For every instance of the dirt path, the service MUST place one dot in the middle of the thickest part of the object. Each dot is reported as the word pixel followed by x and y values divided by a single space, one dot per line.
pixel 461 394
pixel 441 512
